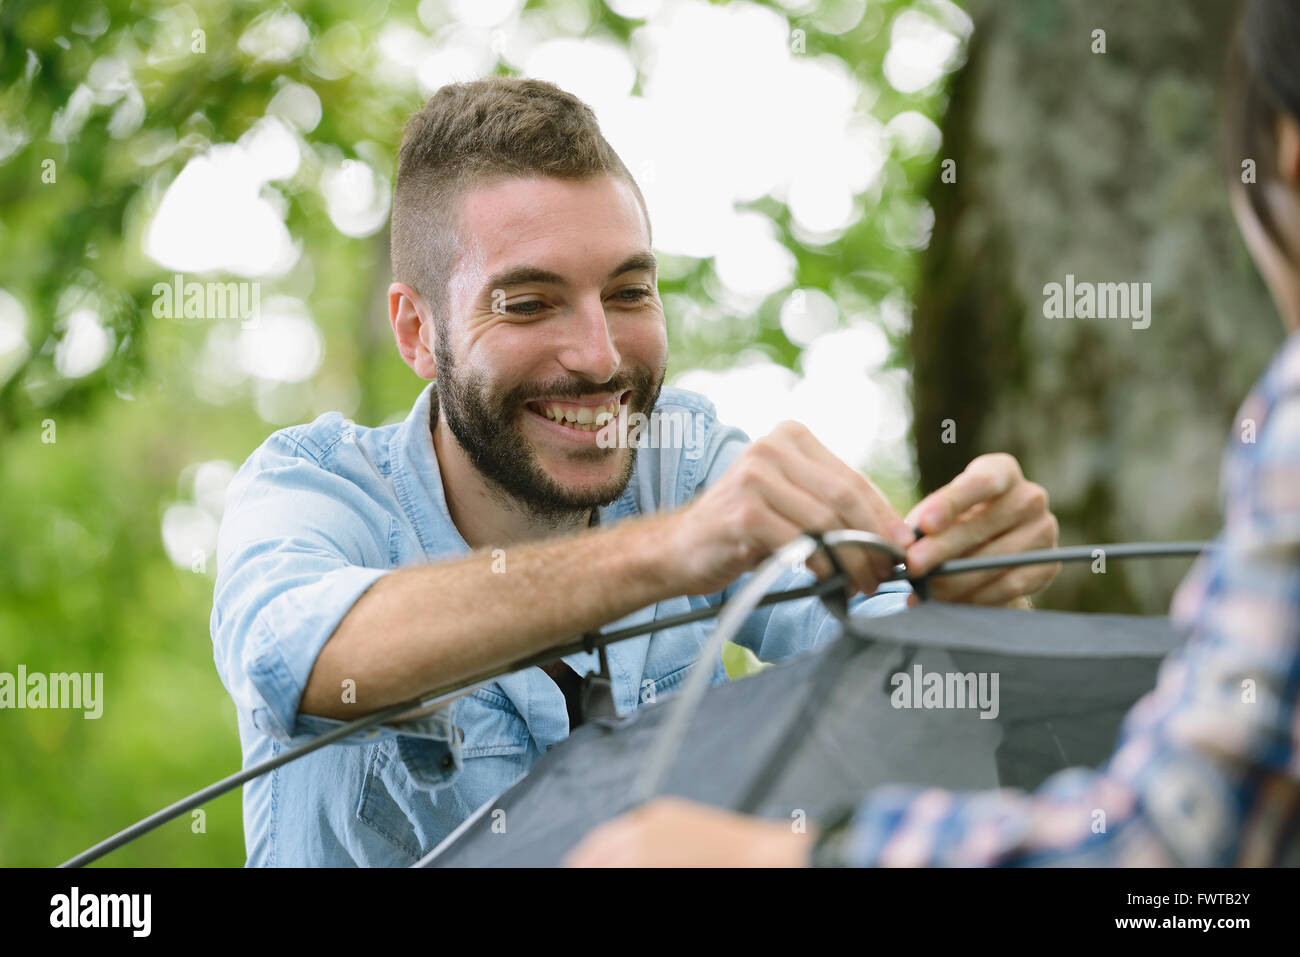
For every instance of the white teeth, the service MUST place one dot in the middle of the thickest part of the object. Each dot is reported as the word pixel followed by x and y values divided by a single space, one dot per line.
pixel 583 418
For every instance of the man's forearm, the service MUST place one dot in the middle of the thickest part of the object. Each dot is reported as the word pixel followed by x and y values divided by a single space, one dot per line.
pixel 429 626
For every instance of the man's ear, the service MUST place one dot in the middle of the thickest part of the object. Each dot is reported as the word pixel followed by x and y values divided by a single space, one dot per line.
pixel 413 328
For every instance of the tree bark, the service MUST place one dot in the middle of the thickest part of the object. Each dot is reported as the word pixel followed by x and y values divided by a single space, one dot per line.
pixel 1104 166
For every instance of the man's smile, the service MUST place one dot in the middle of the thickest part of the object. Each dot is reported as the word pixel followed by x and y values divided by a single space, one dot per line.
pixel 578 418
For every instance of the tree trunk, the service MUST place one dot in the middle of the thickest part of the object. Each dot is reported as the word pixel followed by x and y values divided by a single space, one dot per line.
pixel 1104 167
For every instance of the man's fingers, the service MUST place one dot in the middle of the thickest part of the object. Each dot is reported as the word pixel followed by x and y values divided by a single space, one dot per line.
pixel 986 477
pixel 979 524
pixel 1013 583
pixel 1027 537
pixel 766 530
pixel 789 483
pixel 805 512
pixel 865 570
pixel 852 498
pixel 855 500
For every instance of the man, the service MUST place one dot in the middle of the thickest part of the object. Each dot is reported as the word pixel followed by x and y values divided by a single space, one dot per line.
pixel 361 567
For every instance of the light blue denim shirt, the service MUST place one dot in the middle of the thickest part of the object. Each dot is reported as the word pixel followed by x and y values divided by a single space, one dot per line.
pixel 320 512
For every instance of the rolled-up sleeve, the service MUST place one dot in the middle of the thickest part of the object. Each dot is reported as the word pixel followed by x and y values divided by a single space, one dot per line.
pixel 298 546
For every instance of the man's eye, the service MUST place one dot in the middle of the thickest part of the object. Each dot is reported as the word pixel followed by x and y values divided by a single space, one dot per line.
pixel 635 294
pixel 530 308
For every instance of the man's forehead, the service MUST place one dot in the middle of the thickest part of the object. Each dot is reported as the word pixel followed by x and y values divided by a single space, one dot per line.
pixel 549 221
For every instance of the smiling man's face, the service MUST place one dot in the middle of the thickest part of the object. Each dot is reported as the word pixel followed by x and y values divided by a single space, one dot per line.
pixel 555 318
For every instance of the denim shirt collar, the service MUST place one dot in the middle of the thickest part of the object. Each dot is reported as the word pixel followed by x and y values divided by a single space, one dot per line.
pixel 418 482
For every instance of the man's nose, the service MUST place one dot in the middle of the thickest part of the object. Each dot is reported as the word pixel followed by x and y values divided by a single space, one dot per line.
pixel 590 351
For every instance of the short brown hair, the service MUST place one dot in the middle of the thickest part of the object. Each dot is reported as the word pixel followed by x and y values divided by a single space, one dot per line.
pixel 472 134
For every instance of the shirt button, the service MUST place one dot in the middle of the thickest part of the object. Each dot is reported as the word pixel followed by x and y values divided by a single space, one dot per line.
pixel 549 746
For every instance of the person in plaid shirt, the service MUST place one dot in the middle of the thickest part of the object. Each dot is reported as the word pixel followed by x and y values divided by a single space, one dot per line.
pixel 1206 771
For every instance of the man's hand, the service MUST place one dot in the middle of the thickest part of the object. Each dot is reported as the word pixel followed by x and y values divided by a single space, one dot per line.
pixel 672 832
pixel 782 485
pixel 989 509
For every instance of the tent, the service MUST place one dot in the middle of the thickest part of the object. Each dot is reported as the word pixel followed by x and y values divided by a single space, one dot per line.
pixel 955 696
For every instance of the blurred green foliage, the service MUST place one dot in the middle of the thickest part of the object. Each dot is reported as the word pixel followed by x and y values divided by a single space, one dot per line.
pixel 85 583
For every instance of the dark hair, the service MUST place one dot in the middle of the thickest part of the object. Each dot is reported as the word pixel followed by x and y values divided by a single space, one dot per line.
pixel 1263 84
pixel 472 134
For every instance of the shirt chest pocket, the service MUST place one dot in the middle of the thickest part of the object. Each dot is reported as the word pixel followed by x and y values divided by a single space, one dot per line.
pixel 492 726
pixel 494 752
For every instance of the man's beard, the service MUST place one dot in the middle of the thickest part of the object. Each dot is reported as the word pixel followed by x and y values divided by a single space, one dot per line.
pixel 488 427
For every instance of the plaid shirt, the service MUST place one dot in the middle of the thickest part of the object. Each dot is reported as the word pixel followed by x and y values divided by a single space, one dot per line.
pixel 1206 771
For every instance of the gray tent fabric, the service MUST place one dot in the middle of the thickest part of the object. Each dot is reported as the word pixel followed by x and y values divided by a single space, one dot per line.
pixel 815 733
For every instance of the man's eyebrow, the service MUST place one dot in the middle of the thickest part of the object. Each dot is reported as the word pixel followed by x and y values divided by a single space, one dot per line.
pixel 519 275
pixel 637 262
